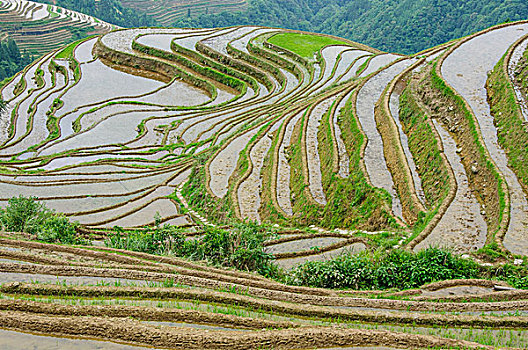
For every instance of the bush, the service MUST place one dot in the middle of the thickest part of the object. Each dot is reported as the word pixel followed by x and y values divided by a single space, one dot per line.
pixel 241 247
pixel 57 228
pixel 28 215
pixel 24 215
pixel 157 241
pixel 384 270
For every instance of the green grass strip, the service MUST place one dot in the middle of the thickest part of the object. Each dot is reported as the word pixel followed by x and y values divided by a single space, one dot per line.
pixel 305 45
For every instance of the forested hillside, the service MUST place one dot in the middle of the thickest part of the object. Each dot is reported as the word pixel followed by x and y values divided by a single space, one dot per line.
pixel 405 26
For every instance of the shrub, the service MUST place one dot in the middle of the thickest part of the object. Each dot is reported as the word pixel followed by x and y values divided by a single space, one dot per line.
pixel 156 241
pixel 28 215
pixel 24 215
pixel 57 228
pixel 384 270
pixel 240 247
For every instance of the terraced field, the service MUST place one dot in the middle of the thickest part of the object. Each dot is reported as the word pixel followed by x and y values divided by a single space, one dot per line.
pixel 166 12
pixel 141 299
pixel 339 146
pixel 39 28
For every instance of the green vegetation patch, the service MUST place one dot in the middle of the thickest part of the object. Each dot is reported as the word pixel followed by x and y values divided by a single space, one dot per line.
pixel 240 247
pixel 67 52
pixel 305 45
pixel 399 269
pixel 11 60
pixel 511 129
pixel 31 216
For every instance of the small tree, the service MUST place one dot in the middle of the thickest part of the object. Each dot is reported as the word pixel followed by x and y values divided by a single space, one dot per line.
pixel 31 216
pixel 24 215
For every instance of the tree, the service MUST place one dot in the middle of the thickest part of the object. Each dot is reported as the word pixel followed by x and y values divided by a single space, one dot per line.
pixel 12 49
pixel 11 60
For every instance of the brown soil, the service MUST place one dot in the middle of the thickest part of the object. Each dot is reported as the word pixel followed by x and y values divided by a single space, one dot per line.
pixel 138 333
pixel 350 309
pixel 142 313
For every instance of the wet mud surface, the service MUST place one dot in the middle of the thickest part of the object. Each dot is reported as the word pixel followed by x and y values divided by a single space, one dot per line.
pixel 468 77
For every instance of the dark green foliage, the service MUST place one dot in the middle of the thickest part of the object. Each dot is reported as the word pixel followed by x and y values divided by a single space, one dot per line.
pixel 492 252
pixel 405 26
pixel 31 216
pixel 3 106
pixel 110 11
pixel 57 228
pixel 381 270
pixel 400 269
pixel 516 276
pixel 240 247
pixel 11 60
pixel 23 215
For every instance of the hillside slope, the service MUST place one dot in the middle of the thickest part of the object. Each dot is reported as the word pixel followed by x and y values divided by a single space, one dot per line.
pixel 112 11
pixel 167 12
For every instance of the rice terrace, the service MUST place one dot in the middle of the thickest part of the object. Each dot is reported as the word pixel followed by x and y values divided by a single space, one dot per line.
pixel 252 187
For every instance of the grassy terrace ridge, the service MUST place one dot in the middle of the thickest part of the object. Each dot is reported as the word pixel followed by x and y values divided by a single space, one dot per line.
pixel 305 45
pixel 425 149
pixel 513 132
pixel 67 52
pixel 412 207
pixel 435 172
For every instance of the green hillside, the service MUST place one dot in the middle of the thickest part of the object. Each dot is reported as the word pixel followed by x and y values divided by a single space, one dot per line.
pixel 11 59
